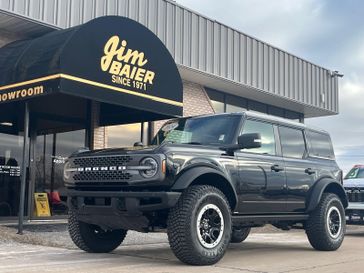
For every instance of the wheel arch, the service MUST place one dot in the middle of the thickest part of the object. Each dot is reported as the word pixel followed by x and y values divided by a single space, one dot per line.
pixel 324 185
pixel 205 175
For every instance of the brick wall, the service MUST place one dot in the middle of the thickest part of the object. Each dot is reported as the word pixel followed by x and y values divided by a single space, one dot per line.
pixel 195 102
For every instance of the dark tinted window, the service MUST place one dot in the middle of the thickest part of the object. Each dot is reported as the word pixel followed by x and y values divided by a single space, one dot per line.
pixel 320 144
pixel 292 142
pixel 267 134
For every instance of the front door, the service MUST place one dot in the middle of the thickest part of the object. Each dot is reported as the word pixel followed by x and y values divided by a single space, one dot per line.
pixel 261 173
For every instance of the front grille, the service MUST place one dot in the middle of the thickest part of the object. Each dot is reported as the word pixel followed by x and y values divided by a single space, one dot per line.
pixel 102 176
pixel 102 161
pixel 355 195
pixel 103 168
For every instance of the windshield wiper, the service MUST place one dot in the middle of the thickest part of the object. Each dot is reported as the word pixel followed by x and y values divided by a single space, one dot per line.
pixel 192 143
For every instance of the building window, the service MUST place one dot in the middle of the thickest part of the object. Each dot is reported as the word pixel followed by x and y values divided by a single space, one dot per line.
pixel 126 135
pixel 225 103
pixel 235 104
pixel 218 101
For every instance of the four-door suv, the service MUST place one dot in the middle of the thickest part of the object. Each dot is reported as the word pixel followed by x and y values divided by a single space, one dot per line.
pixel 354 187
pixel 207 180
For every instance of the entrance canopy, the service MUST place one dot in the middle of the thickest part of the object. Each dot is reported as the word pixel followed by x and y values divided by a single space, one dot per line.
pixel 112 60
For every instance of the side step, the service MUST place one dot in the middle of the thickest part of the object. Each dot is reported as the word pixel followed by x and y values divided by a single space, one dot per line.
pixel 267 218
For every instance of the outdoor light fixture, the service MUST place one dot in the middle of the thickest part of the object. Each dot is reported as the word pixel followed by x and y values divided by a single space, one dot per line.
pixel 336 74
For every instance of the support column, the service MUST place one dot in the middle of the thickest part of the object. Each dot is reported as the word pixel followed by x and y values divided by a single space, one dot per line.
pixel 24 169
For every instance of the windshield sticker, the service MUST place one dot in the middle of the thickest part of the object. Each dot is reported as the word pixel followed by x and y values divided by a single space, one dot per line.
pixel 179 136
pixel 221 137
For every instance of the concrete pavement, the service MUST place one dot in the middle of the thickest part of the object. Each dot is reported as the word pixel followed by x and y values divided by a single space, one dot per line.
pixel 262 252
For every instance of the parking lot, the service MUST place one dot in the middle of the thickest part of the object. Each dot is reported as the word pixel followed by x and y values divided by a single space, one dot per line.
pixel 262 252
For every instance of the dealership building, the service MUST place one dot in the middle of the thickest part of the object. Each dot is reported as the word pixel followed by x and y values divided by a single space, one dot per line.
pixel 48 78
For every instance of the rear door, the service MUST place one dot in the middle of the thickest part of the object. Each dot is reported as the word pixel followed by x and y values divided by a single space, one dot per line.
pixel 300 171
pixel 261 172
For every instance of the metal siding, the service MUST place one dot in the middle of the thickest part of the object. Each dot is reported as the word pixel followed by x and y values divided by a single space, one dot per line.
pixel 194 41
pixel 202 40
pixel 265 67
pixel 186 38
pixel 223 51
pixel 209 46
pixel 271 69
pixel 170 28
pixel 216 46
pixel 230 53
pixel 200 43
pixel 236 57
pixel 243 59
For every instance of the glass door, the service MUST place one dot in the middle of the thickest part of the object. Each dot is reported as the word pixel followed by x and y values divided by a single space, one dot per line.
pixel 50 153
pixel 11 147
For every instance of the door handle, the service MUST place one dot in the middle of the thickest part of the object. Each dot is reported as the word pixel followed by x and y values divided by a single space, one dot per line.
pixel 309 171
pixel 276 168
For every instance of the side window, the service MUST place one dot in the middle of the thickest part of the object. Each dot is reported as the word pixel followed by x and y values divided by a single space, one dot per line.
pixel 267 134
pixel 292 142
pixel 320 144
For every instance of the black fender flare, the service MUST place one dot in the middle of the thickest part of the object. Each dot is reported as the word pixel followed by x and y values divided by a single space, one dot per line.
pixel 323 184
pixel 193 172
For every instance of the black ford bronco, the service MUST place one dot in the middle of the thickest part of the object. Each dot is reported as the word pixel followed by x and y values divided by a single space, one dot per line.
pixel 207 181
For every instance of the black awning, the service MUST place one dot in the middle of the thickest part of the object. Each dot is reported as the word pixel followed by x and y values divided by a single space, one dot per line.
pixel 113 60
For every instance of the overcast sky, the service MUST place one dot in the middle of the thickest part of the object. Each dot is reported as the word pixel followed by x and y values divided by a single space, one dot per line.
pixel 327 32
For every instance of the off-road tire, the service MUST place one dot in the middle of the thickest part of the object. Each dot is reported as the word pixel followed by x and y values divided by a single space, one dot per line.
pixel 182 225
pixel 317 228
pixel 239 235
pixel 91 238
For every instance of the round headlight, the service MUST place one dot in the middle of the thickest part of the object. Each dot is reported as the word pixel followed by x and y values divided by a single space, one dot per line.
pixel 153 167
pixel 66 172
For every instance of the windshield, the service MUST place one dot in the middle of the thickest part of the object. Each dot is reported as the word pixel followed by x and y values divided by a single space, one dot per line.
pixel 355 173
pixel 211 130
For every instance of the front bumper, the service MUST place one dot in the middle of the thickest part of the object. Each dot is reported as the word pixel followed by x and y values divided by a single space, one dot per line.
pixel 355 213
pixel 128 202
pixel 115 209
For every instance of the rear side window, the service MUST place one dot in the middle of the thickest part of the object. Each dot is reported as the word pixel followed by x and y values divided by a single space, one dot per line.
pixel 320 144
pixel 292 142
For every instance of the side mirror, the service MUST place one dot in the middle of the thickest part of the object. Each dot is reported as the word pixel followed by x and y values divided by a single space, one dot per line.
pixel 250 141
pixel 138 144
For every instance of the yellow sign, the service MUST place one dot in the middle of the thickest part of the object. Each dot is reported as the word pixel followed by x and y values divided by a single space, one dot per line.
pixel 41 205
pixel 21 93
pixel 125 65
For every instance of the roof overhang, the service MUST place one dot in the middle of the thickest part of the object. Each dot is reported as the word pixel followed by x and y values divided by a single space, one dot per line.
pixel 241 90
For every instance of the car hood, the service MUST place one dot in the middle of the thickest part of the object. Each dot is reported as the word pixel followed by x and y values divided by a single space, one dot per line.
pixel 116 151
pixel 354 183
pixel 164 148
